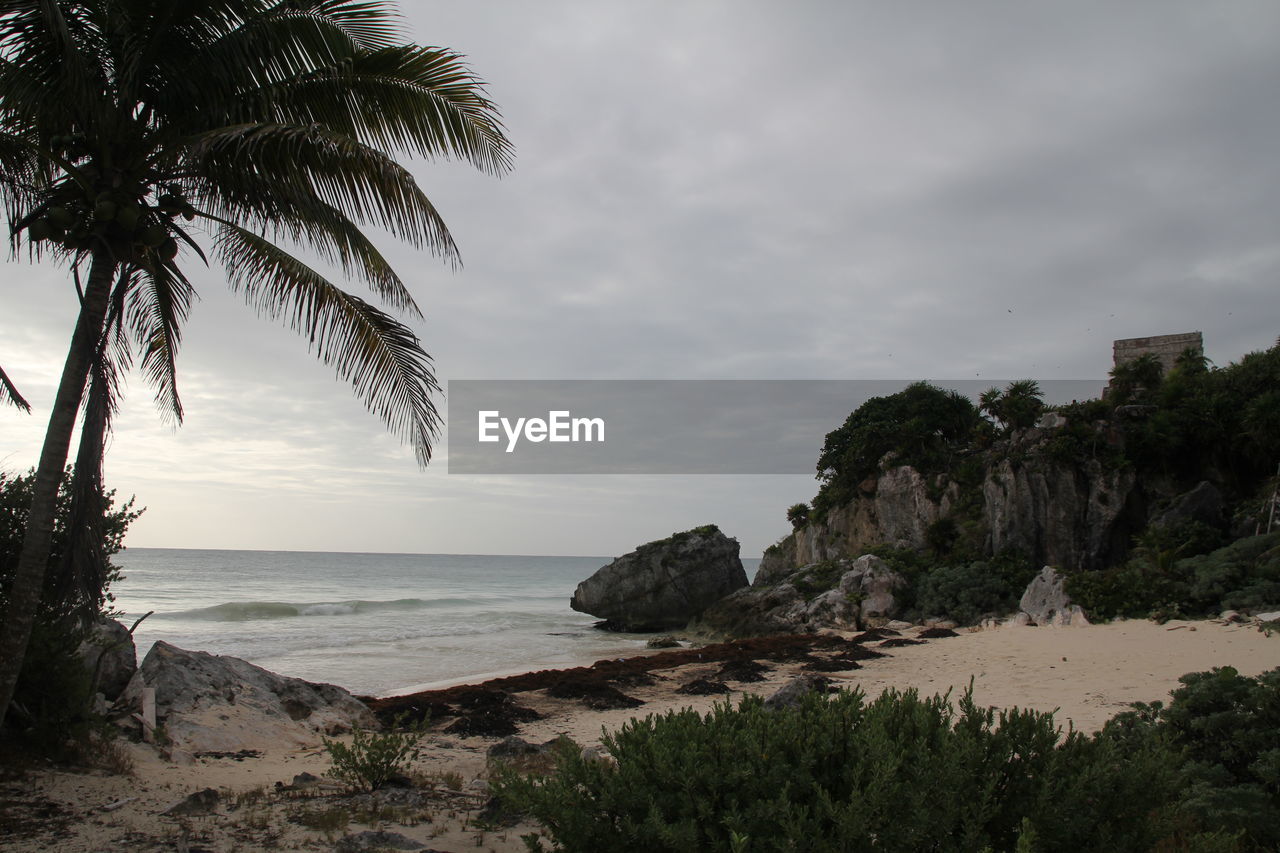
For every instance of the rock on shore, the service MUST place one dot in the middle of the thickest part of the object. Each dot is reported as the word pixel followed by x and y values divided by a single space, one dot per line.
pixel 217 703
pixel 663 585
pixel 840 594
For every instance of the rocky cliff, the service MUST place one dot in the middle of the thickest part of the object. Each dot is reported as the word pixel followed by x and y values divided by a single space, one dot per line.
pixel 1017 495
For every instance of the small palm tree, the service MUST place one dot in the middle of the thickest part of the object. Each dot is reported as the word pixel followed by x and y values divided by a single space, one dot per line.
pixel 139 135
pixel 1016 407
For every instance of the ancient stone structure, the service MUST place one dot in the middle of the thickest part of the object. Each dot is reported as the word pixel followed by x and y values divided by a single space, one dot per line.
pixel 1165 347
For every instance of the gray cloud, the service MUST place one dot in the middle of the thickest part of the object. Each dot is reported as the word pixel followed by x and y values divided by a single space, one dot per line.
pixel 740 190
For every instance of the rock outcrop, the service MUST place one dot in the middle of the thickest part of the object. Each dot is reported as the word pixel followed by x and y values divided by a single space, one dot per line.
pixel 1203 504
pixel 1079 514
pixel 661 586
pixel 839 594
pixel 217 703
pixel 110 657
pixel 896 508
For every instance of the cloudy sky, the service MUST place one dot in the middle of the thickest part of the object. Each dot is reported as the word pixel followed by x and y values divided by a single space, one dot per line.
pixel 735 190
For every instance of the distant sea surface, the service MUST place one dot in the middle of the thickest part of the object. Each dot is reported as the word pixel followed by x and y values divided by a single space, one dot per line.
pixel 372 623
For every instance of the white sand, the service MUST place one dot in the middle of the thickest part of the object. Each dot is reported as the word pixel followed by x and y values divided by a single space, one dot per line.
pixel 1085 674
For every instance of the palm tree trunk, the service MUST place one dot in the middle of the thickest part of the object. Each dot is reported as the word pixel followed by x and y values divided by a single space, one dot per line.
pixel 28 579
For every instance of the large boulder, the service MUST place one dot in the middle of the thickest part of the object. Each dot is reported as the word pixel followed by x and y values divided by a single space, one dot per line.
pixel 839 594
pixel 1045 601
pixel 870 580
pixel 217 703
pixel 664 584
pixel 1203 504
pixel 109 657
pixel 756 611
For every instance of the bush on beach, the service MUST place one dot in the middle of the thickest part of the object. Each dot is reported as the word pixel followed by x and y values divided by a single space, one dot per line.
pixel 1244 575
pixel 54 691
pixel 897 773
pixel 903 773
pixel 373 759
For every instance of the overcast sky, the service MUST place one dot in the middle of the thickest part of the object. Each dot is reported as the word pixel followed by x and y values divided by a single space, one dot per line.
pixel 735 190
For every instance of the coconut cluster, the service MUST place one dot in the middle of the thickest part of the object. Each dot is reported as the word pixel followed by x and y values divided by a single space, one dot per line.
pixel 120 210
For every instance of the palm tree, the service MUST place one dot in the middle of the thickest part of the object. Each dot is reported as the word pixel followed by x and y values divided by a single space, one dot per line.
pixel 136 135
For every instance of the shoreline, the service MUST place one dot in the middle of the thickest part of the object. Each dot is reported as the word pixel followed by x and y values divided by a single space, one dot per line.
pixel 1087 674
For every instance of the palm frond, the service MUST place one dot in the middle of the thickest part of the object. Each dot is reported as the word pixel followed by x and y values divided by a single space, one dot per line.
pixel 381 358
pixel 269 44
pixel 55 41
pixel 239 162
pixel 372 24
pixel 407 98
pixel 158 308
pixel 9 393
pixel 329 232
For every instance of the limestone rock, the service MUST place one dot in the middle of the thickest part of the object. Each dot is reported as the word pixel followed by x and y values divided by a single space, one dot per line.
pixel 896 508
pixel 754 612
pixel 1051 420
pixel 109 650
pixel 514 746
pixel 1268 617
pixel 793 692
pixel 1068 515
pixel 664 584
pixel 200 803
pixel 217 703
pixel 1045 600
pixel 377 839
pixel 871 578
pixel 1203 504
pixel 778 561
pixel 839 594
pixel 597 755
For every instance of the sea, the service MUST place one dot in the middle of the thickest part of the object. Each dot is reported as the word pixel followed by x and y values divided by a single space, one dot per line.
pixel 376 624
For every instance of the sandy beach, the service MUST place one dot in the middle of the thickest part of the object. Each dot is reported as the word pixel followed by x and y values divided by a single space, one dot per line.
pixel 1084 674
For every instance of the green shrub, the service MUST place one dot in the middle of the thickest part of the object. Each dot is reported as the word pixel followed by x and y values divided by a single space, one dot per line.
pixel 900 773
pixel 1244 575
pixel 940 537
pixel 1224 731
pixel 1124 591
pixel 798 515
pixel 51 699
pixel 970 591
pixel 372 759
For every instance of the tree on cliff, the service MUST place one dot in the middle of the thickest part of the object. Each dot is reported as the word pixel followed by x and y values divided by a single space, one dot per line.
pixel 1017 407
pixel 921 425
pixel 138 134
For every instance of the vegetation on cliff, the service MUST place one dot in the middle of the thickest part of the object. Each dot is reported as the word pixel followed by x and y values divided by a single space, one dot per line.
pixel 1137 495
pixel 1194 423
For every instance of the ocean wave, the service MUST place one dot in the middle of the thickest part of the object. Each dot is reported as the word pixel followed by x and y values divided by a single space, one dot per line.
pixel 244 611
